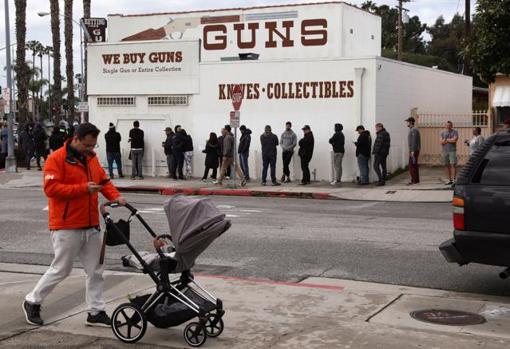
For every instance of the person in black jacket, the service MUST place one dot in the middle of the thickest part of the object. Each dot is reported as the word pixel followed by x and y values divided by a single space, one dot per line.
pixel 167 147
pixel 381 150
pixel 363 146
pixel 212 152
pixel 26 143
pixel 306 145
pixel 57 138
pixel 269 142
pixel 113 138
pixel 40 138
pixel 244 150
pixel 220 145
pixel 178 143
pixel 137 148
pixel 337 141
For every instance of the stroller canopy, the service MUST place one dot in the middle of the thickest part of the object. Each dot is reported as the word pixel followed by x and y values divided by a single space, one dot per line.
pixel 194 224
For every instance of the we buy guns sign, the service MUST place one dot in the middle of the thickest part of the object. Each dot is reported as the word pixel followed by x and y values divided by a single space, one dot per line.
pixel 237 96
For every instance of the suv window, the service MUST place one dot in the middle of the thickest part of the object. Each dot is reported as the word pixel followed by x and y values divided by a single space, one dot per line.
pixel 495 167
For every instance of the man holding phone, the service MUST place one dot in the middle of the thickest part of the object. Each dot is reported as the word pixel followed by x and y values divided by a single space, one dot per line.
pixel 73 177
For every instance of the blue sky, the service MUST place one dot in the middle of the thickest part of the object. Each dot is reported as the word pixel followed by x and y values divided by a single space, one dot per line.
pixel 39 28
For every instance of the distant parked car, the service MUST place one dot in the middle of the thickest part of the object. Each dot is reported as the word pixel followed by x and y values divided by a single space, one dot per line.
pixel 481 208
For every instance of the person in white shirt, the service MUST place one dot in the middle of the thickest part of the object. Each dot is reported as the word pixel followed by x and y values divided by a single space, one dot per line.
pixel 476 141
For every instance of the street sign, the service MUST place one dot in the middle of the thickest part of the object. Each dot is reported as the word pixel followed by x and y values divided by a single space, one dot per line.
pixel 96 28
pixel 237 96
pixel 235 118
pixel 83 107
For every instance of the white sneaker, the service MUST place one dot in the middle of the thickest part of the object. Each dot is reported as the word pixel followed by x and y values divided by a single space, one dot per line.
pixel 334 183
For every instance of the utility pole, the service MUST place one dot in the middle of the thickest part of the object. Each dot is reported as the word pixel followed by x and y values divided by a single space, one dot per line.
pixel 467 38
pixel 10 161
pixel 400 28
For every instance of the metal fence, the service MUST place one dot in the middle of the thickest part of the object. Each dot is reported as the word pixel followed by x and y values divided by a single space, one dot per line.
pixel 432 124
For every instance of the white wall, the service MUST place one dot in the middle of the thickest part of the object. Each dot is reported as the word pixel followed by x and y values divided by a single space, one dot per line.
pixel 340 19
pixel 402 86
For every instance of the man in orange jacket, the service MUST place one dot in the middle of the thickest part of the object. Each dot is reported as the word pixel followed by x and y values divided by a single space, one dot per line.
pixel 73 177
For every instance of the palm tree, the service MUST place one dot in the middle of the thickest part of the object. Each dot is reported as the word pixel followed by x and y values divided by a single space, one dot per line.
pixel 21 67
pixel 68 35
pixel 57 75
pixel 86 14
pixel 34 46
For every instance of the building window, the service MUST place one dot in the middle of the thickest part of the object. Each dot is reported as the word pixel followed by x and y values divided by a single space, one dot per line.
pixel 502 113
pixel 115 101
pixel 168 100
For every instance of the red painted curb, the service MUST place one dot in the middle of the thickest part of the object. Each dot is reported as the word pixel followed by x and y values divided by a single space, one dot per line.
pixel 227 192
pixel 276 283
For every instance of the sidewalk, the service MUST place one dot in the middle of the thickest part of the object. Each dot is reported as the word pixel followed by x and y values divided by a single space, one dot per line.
pixel 314 313
pixel 431 188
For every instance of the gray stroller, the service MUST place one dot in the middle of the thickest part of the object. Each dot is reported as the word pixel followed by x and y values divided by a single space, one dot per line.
pixel 194 224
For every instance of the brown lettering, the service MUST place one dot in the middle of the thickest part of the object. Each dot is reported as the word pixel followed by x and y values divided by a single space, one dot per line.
pixel 306 94
pixel 342 89
pixel 335 91
pixel 239 27
pixel 221 40
pixel 178 56
pixel 350 88
pixel 299 93
pixel 111 59
pixel 286 40
pixel 221 88
pixel 306 32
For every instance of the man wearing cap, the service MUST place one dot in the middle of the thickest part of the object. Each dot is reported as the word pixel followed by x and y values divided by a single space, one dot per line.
pixel 306 145
pixel 113 138
pixel 414 141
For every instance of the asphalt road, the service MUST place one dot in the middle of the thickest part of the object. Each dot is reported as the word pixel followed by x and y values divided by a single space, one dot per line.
pixel 284 239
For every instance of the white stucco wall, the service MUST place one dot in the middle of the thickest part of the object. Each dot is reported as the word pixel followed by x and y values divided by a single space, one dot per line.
pixel 402 86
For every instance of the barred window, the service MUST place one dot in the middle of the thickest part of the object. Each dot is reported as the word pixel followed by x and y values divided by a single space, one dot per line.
pixel 115 101
pixel 168 100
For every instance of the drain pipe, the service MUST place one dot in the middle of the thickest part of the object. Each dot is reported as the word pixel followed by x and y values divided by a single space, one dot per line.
pixel 358 94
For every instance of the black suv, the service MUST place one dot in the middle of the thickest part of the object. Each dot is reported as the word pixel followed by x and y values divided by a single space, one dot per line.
pixel 481 207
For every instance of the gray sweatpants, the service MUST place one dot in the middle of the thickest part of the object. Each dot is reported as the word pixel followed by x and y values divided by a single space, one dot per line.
pixel 136 162
pixel 67 245
pixel 338 157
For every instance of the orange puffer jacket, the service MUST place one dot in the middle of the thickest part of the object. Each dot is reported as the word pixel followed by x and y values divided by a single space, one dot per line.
pixel 70 205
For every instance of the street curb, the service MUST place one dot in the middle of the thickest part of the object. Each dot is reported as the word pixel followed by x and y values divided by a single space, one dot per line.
pixel 227 192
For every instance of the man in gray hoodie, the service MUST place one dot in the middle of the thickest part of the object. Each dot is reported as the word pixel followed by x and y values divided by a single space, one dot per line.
pixel 228 157
pixel 288 142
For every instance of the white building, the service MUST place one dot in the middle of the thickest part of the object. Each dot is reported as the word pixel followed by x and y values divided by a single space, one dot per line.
pixel 318 64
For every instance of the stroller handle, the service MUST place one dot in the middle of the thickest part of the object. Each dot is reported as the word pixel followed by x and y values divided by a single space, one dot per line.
pixel 114 204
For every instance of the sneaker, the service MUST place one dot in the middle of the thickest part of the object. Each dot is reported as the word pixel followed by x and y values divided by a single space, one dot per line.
pixel 243 183
pixel 263 183
pixel 275 184
pixel 133 178
pixel 217 183
pixel 141 177
pixel 227 178
pixel 32 314
pixel 380 184
pixel 333 183
pixel 287 180
pixel 204 180
pixel 99 320
pixel 121 176
pixel 283 178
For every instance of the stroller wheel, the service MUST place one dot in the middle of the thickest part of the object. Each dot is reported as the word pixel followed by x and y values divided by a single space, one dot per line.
pixel 128 323
pixel 214 325
pixel 195 334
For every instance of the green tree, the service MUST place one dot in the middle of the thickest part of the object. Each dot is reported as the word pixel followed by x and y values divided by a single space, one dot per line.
pixel 447 41
pixel 490 50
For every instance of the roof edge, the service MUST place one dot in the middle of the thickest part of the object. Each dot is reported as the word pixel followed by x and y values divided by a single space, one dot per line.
pixel 240 9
